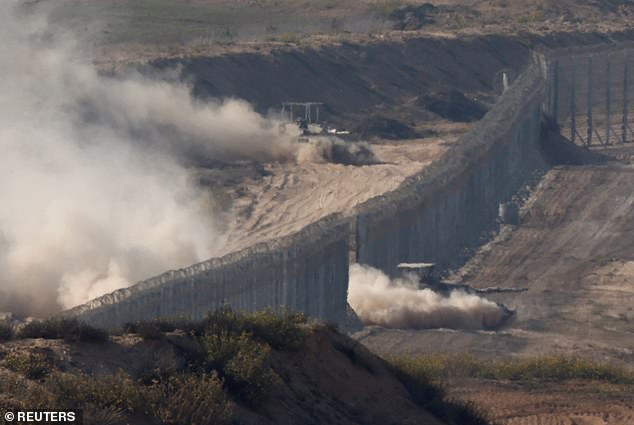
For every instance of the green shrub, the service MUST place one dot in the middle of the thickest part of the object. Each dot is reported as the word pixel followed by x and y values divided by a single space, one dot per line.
pixel 189 399
pixel 223 321
pixel 557 368
pixel 554 367
pixel 116 391
pixel 234 345
pixel 282 331
pixel 116 399
pixel 6 331
pixel 242 364
pixel 31 365
pixel 68 329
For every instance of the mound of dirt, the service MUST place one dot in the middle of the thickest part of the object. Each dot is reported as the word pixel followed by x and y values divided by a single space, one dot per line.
pixel 561 151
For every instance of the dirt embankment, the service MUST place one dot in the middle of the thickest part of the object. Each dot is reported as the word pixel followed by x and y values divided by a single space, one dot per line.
pixel 425 88
pixel 328 378
pixel 409 79
pixel 550 402
pixel 360 82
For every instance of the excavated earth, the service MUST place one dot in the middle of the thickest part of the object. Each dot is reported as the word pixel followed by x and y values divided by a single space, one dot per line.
pixel 572 250
pixel 410 99
pixel 573 253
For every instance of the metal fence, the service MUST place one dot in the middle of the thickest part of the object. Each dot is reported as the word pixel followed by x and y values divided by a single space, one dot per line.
pixel 590 91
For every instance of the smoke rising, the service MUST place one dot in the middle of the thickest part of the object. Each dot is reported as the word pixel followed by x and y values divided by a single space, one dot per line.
pixel 399 303
pixel 95 193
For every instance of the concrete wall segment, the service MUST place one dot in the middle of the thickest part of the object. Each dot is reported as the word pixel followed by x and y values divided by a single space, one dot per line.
pixel 434 216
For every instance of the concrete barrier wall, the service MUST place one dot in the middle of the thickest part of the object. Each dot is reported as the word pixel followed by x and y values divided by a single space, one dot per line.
pixel 435 215
pixel 306 272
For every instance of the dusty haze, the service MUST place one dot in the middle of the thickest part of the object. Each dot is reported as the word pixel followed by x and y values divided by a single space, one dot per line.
pixel 95 195
pixel 399 303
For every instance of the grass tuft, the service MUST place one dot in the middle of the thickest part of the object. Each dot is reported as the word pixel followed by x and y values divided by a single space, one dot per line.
pixel 31 365
pixel 7 332
pixel 234 346
pixel 545 368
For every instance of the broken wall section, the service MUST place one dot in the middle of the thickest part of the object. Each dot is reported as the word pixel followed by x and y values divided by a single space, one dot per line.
pixel 438 214
pixel 433 216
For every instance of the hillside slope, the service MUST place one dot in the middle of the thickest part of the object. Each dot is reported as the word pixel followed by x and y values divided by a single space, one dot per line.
pixel 229 369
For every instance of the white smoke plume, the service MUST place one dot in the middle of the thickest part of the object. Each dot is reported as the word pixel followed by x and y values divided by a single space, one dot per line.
pixel 399 303
pixel 93 193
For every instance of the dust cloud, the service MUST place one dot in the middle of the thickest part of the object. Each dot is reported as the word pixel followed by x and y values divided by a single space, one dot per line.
pixel 399 303
pixel 95 191
pixel 335 150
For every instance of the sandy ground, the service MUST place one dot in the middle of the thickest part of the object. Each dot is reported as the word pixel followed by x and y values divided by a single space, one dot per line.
pixel 285 197
pixel 549 403
pixel 573 251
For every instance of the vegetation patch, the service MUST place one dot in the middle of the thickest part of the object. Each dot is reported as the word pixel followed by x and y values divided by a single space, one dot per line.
pixel 227 363
pixel 31 365
pixel 68 329
pixel 435 367
pixel 6 331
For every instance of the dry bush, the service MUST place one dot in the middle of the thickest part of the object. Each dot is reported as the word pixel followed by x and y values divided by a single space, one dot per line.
pixel 31 365
pixel 68 329
pixel 6 331
pixel 189 399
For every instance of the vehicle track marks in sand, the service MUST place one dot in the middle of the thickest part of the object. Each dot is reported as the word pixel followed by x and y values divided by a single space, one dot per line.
pixel 290 196
pixel 550 403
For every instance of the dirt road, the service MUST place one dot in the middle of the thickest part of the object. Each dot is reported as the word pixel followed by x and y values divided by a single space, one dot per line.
pixel 548 403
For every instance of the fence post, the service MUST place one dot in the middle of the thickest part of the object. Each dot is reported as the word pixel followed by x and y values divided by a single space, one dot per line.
pixel 553 104
pixel 625 100
pixel 589 118
pixel 573 102
pixel 608 102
